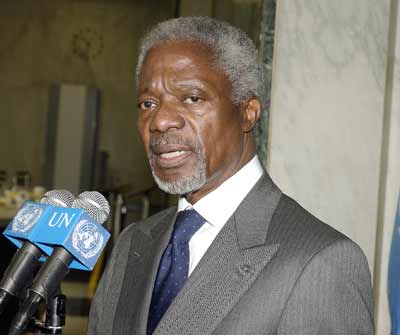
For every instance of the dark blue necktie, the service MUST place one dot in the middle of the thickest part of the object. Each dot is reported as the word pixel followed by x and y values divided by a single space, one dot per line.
pixel 174 266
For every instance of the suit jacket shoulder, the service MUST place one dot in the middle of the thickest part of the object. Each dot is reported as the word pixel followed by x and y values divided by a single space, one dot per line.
pixel 311 282
pixel 299 232
pixel 317 282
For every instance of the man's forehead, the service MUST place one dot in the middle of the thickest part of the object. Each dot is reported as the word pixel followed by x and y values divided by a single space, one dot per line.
pixel 179 83
pixel 184 48
pixel 162 59
pixel 184 61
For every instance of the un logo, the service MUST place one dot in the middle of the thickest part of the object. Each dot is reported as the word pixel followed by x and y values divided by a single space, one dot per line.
pixel 27 218
pixel 87 239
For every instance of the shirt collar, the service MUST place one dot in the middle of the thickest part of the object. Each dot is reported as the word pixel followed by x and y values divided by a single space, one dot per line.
pixel 218 206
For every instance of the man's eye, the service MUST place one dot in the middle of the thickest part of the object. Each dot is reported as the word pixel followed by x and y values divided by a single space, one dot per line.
pixel 192 99
pixel 147 104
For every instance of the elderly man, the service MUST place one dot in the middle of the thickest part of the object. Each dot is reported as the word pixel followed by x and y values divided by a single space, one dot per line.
pixel 236 256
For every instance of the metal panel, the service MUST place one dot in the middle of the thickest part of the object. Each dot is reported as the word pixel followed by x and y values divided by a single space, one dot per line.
pixel 71 139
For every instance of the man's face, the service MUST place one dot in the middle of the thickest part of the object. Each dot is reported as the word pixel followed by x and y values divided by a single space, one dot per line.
pixel 192 132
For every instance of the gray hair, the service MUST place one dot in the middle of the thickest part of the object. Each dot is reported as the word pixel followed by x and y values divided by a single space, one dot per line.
pixel 235 53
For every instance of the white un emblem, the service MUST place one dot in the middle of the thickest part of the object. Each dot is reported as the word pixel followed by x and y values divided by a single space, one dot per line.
pixel 26 218
pixel 87 239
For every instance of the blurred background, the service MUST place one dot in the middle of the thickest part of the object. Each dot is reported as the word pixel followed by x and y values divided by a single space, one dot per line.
pixel 330 135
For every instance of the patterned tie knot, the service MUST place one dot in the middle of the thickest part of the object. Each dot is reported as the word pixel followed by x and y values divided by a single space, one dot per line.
pixel 187 223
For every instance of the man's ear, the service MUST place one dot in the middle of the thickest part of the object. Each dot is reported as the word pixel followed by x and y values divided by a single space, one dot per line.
pixel 250 111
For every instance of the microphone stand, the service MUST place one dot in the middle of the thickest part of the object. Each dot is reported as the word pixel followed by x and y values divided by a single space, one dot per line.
pixel 55 317
pixel 45 285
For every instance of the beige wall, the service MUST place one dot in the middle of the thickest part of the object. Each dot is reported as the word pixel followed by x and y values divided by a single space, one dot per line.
pixel 328 91
pixel 390 172
pixel 335 120
pixel 244 14
pixel 37 49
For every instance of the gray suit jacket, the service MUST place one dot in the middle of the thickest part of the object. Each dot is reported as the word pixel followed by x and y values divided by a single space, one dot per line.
pixel 273 269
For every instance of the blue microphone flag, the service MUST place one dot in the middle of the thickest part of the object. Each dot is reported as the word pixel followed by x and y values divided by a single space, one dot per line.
pixel 50 226
pixel 25 224
pixel 394 275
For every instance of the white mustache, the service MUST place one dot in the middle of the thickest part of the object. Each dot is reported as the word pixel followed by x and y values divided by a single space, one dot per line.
pixel 174 140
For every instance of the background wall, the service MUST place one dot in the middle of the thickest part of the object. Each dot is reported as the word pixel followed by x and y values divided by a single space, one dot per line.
pixel 93 43
pixel 327 109
pixel 390 171
pixel 335 120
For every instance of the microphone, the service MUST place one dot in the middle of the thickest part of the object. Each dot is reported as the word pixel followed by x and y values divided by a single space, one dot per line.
pixel 19 273
pixel 79 238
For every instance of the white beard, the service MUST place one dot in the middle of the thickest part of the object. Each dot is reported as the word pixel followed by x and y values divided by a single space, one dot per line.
pixel 186 184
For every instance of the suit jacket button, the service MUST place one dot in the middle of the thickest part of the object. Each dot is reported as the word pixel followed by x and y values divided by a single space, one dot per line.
pixel 244 269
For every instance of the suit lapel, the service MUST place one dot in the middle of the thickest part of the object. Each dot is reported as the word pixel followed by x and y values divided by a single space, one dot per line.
pixel 229 267
pixel 144 256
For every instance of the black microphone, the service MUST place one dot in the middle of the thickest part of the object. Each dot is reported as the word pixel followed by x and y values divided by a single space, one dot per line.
pixel 25 263
pixel 57 265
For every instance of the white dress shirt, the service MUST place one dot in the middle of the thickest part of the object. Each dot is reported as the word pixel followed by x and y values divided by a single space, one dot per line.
pixel 218 206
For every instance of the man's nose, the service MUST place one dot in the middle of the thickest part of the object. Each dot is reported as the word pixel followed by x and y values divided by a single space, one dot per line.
pixel 167 117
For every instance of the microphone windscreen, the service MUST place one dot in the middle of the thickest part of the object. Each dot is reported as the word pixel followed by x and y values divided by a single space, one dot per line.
pixel 60 198
pixel 94 204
